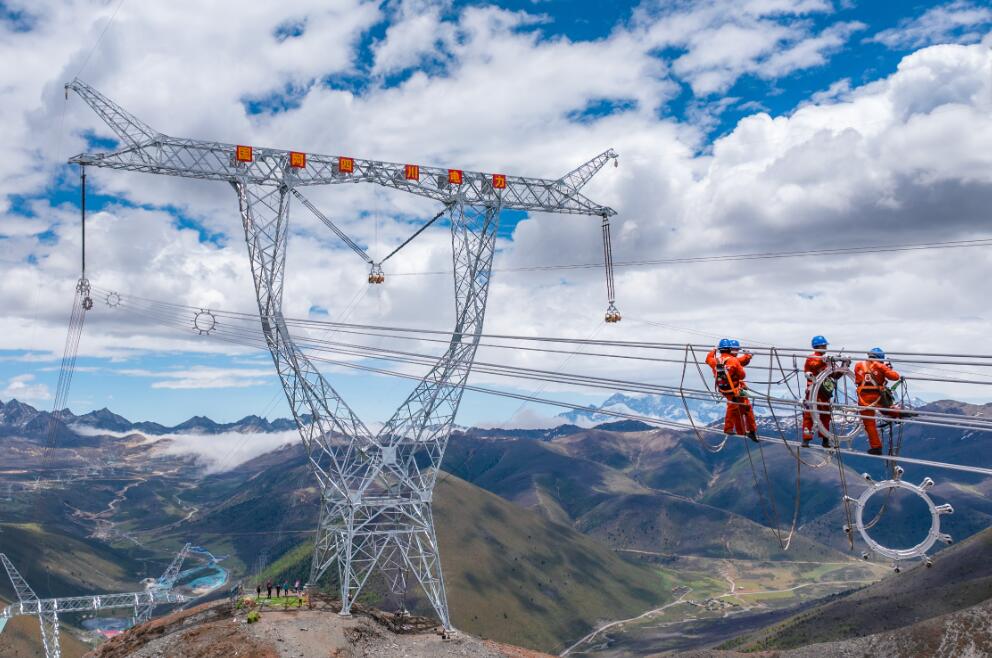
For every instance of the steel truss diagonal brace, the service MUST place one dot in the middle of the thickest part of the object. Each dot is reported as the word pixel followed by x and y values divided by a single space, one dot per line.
pixel 421 425
pixel 339 446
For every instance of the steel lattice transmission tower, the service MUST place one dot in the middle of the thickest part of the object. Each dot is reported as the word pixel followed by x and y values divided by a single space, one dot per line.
pixel 48 610
pixel 376 488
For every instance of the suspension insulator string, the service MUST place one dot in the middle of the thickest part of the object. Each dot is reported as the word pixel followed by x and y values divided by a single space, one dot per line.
pixel 83 285
pixel 612 314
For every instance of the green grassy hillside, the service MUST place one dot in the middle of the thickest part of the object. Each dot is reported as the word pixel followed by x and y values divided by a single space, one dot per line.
pixel 647 490
pixel 57 565
pixel 513 575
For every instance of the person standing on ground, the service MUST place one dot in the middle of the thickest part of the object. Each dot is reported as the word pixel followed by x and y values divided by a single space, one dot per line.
pixel 277 590
pixel 258 590
pixel 268 588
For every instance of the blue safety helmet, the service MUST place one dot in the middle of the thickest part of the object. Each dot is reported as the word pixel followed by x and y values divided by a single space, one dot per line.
pixel 734 343
pixel 726 344
pixel 876 353
pixel 819 341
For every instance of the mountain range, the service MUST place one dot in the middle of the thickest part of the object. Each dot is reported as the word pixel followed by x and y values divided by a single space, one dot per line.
pixel 18 416
pixel 545 533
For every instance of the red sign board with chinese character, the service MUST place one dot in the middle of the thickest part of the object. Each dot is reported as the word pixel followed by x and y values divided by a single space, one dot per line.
pixel 346 165
pixel 412 172
pixel 455 176
pixel 499 182
pixel 297 160
pixel 242 153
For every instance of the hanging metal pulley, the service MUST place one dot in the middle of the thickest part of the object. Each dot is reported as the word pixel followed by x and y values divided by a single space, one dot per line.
pixel 376 274
pixel 934 534
pixel 204 322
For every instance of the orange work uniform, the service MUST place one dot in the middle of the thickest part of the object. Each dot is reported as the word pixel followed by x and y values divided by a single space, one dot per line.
pixel 815 364
pixel 870 377
pixel 729 373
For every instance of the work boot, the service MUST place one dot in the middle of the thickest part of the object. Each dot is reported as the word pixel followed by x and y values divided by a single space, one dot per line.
pixel 753 436
pixel 874 451
pixel 806 442
pixel 825 443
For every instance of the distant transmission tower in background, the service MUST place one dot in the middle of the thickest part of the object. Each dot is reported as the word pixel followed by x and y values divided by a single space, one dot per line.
pixel 376 489
pixel 260 563
pixel 48 610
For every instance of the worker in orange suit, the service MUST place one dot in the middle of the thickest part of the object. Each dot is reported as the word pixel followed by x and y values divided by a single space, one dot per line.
pixel 873 393
pixel 728 370
pixel 815 364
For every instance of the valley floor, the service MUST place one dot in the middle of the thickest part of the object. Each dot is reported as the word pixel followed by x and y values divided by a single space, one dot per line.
pixel 721 598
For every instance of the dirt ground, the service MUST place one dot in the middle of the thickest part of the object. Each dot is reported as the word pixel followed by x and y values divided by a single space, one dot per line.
pixel 213 631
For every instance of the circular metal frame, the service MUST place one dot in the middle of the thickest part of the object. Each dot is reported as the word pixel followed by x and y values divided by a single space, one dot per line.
pixel 204 322
pixel 933 535
pixel 845 422
pixel 113 299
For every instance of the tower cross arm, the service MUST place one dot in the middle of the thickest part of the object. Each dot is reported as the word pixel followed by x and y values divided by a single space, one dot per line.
pixel 91 603
pixel 146 150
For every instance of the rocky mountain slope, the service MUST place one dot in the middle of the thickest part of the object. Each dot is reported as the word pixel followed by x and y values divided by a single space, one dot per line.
pixel 215 630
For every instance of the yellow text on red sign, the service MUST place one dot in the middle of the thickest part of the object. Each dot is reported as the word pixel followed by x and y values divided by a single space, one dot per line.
pixel 297 160
pixel 242 153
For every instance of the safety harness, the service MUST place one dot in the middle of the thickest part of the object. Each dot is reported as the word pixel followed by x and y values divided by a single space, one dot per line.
pixel 724 382
pixel 886 398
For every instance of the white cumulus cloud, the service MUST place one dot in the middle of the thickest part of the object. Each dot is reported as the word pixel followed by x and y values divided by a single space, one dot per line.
pixel 25 389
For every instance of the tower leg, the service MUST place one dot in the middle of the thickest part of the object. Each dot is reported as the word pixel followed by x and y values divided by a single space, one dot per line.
pixel 395 570
pixel 49 624
pixel 424 561
pixel 326 547
pixel 364 541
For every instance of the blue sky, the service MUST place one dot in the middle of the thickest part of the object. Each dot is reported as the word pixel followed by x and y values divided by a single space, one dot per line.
pixel 696 96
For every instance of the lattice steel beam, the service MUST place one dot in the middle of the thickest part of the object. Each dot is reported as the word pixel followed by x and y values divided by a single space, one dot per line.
pixel 147 150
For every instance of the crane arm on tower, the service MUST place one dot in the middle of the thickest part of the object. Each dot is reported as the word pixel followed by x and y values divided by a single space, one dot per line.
pixel 146 150
pixel 576 179
pixel 132 131
pixel 24 592
pixel 168 578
